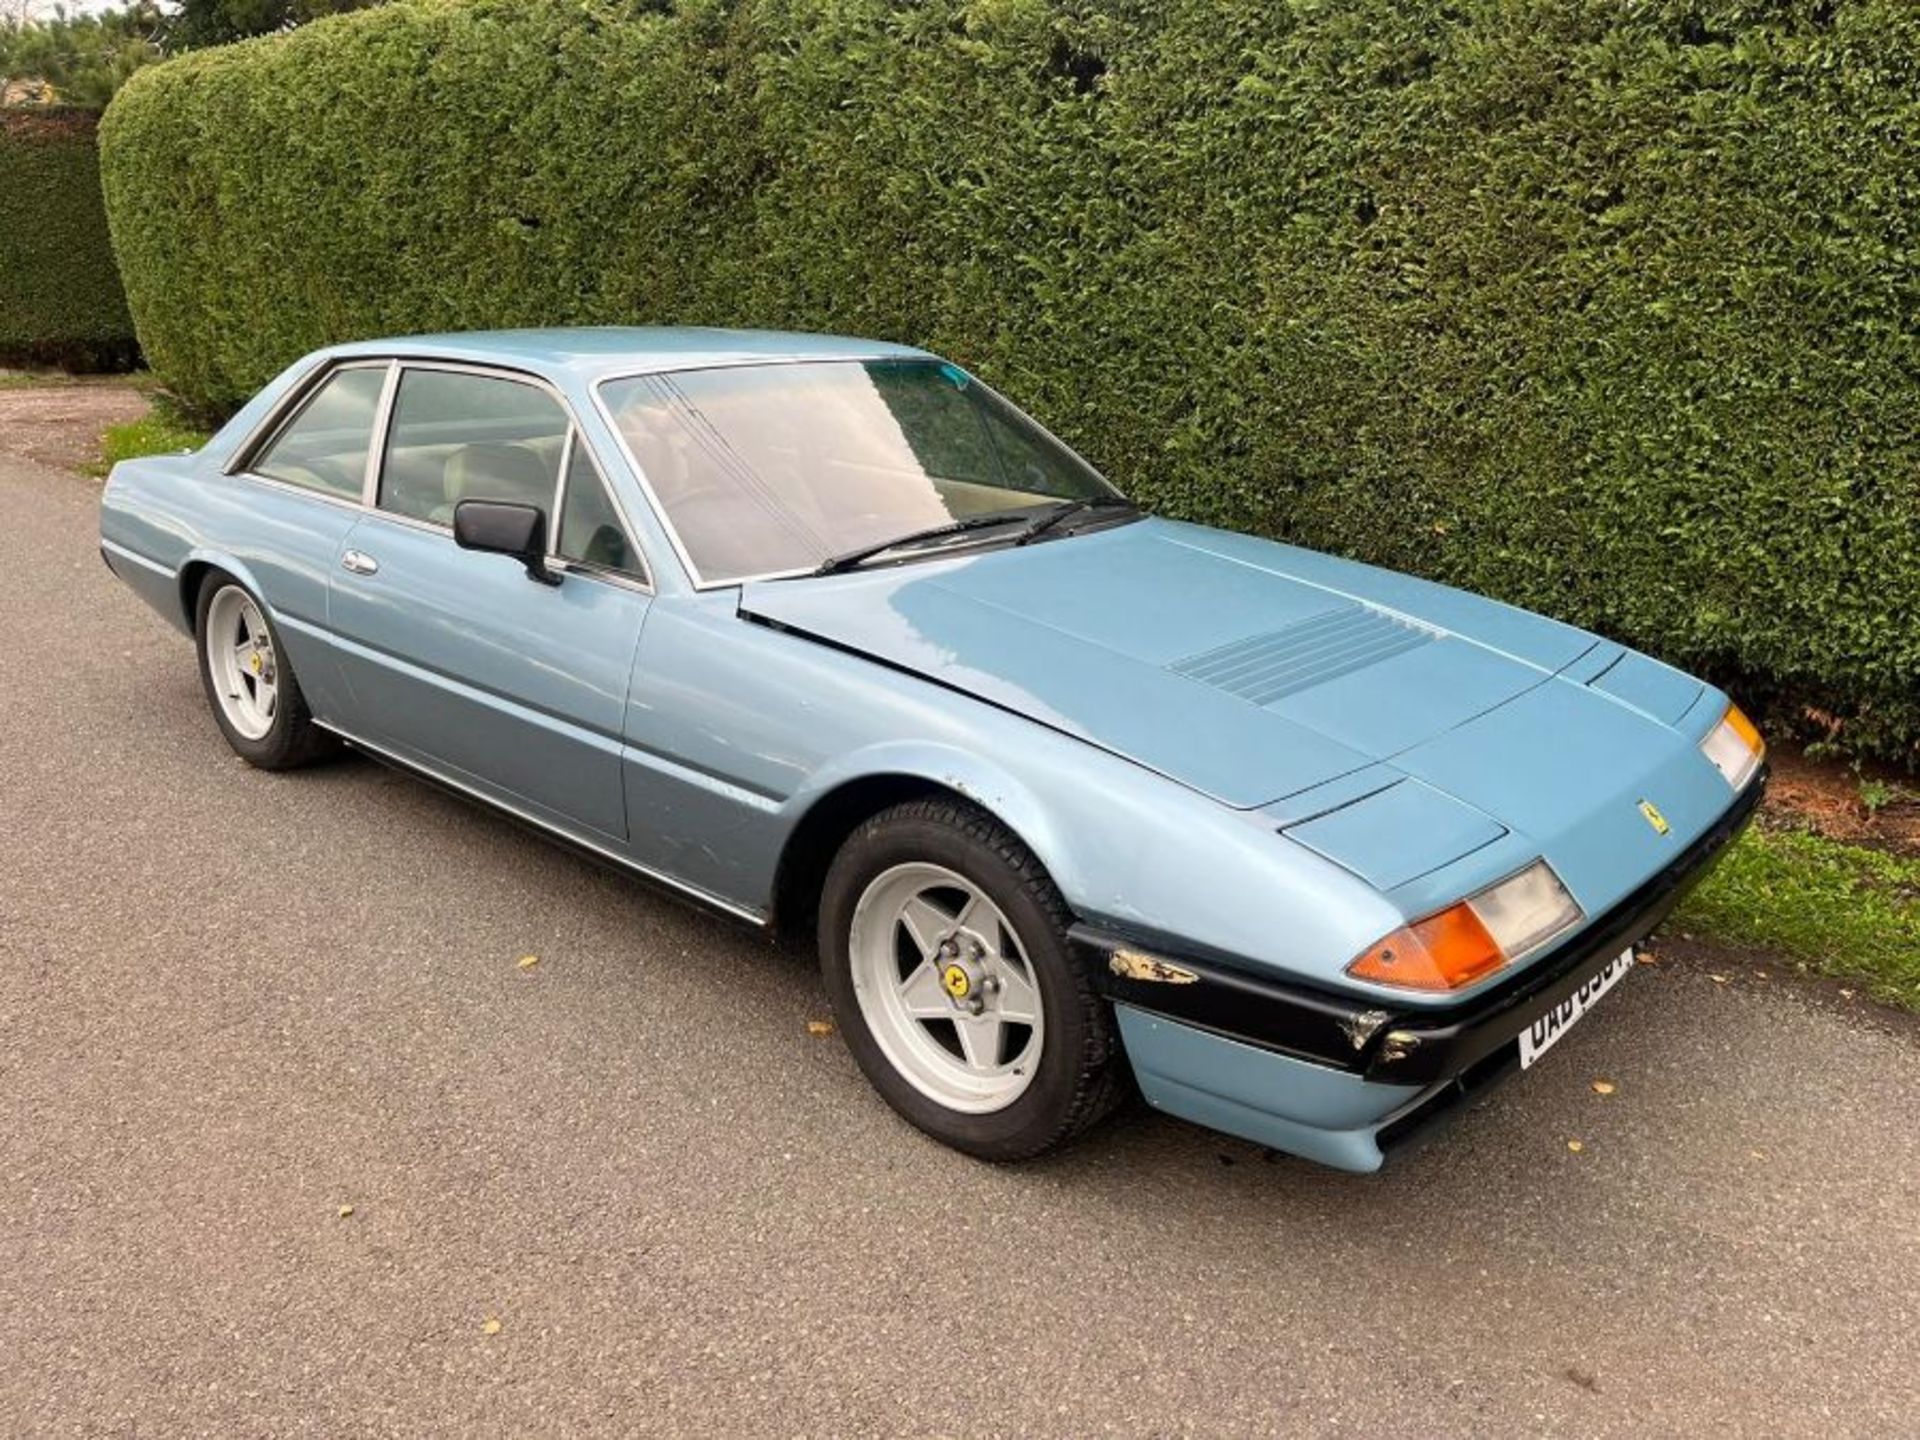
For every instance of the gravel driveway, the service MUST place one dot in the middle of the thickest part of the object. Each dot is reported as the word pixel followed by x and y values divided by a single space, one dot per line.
pixel 60 425
pixel 233 1004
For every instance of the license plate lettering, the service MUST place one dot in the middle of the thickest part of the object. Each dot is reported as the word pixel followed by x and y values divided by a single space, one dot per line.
pixel 1548 1027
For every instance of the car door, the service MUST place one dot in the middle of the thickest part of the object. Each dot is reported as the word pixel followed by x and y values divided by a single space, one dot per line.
pixel 459 660
pixel 296 497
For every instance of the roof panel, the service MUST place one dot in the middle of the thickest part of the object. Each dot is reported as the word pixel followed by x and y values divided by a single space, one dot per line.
pixel 591 352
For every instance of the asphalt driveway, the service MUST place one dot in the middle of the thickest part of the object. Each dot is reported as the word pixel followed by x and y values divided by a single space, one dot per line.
pixel 232 1004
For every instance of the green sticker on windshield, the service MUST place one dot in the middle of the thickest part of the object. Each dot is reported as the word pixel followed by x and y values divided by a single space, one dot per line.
pixel 956 377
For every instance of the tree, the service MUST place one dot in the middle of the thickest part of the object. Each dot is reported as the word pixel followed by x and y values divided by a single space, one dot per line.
pixel 83 58
pixel 194 23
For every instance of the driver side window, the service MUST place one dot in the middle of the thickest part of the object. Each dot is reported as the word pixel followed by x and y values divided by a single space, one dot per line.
pixel 459 436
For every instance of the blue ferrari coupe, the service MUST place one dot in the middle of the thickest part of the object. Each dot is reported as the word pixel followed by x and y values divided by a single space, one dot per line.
pixel 826 634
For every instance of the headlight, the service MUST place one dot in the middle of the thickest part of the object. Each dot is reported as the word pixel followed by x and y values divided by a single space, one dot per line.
pixel 1472 939
pixel 1735 747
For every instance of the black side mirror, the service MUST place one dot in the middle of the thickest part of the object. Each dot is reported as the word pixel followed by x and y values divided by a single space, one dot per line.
pixel 500 528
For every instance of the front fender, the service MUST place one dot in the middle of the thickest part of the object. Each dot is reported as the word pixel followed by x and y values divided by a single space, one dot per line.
pixel 739 732
pixel 966 773
pixel 1136 854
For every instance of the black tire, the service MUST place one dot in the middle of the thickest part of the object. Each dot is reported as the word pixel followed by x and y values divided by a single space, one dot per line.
pixel 292 739
pixel 1081 1074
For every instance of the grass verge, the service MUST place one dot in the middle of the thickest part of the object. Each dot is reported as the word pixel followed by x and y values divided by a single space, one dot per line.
pixel 1838 910
pixel 161 431
pixel 60 379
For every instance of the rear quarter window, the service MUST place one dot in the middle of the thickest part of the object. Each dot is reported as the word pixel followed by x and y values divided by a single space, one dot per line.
pixel 324 447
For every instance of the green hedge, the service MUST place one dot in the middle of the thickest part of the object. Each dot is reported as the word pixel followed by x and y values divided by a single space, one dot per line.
pixel 60 297
pixel 1608 309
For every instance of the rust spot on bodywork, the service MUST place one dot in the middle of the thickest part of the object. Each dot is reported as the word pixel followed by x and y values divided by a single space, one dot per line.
pixel 1134 965
pixel 1361 1025
pixel 1397 1046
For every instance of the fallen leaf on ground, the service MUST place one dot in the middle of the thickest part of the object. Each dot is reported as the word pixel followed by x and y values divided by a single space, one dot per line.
pixel 1575 1146
pixel 490 1326
pixel 819 1027
pixel 1603 1087
pixel 1758 1154
pixel 345 1211
pixel 527 962
pixel 1721 979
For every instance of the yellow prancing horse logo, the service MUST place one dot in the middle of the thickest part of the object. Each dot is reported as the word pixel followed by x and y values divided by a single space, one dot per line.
pixel 1653 817
pixel 955 978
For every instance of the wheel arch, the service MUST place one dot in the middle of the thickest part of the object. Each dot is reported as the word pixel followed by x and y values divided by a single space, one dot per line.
pixel 193 575
pixel 194 571
pixel 836 810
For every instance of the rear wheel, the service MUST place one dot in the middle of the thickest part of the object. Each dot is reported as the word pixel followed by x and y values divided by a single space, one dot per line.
pixel 943 946
pixel 255 698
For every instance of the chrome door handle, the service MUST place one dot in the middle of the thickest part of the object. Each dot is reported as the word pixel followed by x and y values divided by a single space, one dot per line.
pixel 359 562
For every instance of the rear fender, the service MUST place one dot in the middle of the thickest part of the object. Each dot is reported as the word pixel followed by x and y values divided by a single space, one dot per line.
pixel 199 562
pixel 308 646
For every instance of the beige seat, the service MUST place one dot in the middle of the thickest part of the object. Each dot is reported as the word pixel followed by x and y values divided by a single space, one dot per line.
pixel 494 470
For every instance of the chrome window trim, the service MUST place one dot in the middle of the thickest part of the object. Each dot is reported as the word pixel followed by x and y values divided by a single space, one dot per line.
pixel 560 487
pixel 412 522
pixel 305 492
pixel 700 582
pixel 292 406
pixel 382 424
pixel 582 570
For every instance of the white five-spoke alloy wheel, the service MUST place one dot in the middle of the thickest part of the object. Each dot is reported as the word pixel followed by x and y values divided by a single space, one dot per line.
pixel 249 682
pixel 240 661
pixel 945 953
pixel 946 988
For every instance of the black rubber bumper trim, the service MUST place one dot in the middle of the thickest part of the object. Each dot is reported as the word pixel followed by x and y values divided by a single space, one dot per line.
pixel 1414 1127
pixel 1402 1047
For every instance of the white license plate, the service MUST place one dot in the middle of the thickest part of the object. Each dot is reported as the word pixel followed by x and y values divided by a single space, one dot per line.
pixel 1545 1032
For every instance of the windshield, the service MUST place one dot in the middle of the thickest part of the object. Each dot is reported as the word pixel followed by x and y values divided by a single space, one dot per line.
pixel 771 469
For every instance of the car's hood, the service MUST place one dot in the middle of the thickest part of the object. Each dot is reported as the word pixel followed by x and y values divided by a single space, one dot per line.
pixel 1247 670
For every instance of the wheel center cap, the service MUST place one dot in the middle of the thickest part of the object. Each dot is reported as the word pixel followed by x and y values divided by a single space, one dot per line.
pixel 957 980
pixel 256 664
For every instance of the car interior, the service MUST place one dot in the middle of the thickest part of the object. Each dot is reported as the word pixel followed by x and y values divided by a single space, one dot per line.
pixel 440 452
pixel 426 480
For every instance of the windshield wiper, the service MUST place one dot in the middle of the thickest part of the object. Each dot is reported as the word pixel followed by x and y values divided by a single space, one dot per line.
pixel 1071 508
pixel 853 558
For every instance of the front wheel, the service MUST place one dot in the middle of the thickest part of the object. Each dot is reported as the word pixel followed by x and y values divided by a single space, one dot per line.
pixel 250 684
pixel 944 950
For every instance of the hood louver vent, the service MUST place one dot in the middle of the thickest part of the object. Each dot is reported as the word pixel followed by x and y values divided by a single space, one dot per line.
pixel 1269 667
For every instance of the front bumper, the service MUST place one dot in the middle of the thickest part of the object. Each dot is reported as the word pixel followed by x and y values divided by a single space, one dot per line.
pixel 1405 1066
